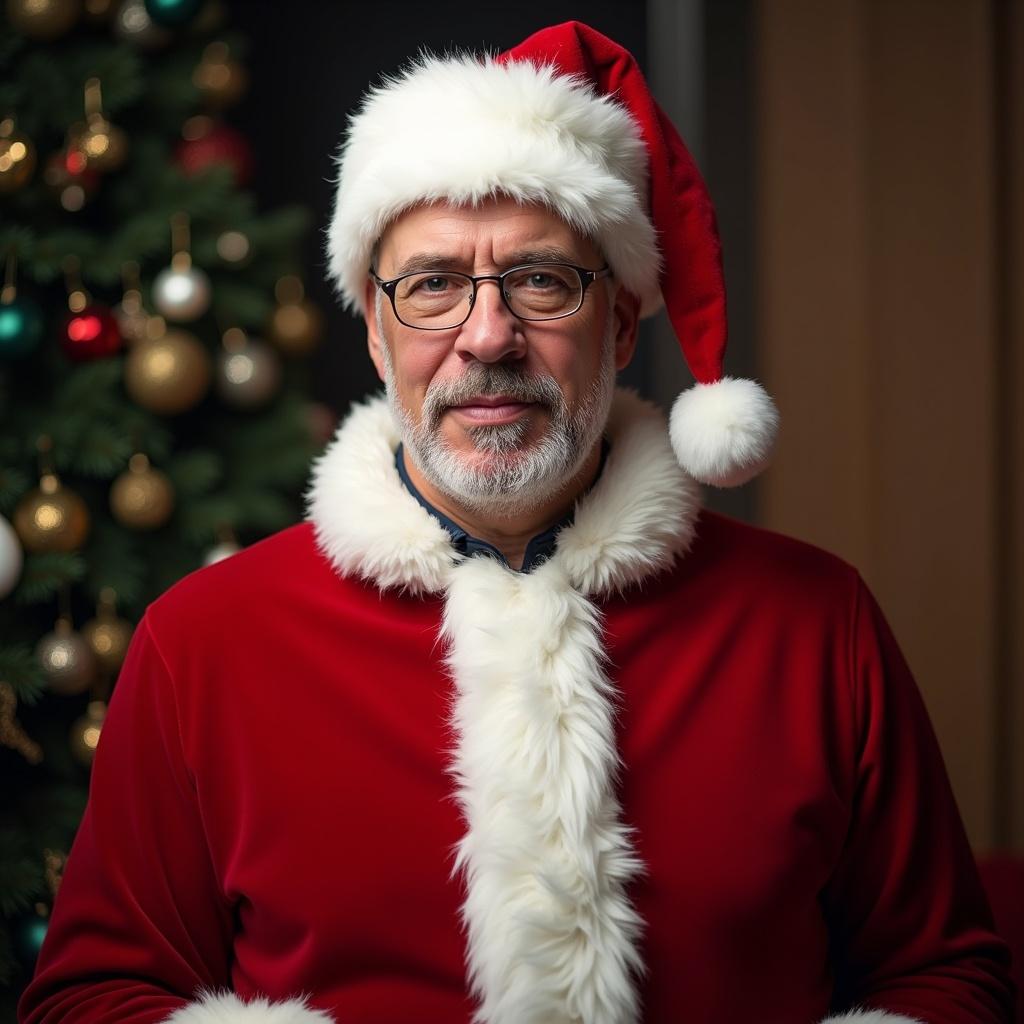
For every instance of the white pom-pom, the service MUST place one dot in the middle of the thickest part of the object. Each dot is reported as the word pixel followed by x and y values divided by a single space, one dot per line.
pixel 723 433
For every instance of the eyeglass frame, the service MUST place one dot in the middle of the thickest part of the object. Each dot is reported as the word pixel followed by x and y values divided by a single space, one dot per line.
pixel 587 278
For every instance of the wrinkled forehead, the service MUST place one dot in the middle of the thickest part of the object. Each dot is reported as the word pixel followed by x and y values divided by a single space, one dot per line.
pixel 498 230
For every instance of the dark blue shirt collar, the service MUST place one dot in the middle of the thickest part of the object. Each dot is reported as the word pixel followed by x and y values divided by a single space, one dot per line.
pixel 540 548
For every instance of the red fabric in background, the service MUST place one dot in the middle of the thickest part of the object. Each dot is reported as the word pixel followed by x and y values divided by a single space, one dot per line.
pixel 1003 878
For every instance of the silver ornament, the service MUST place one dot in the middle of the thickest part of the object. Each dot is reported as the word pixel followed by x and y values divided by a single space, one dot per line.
pixel 67 660
pixel 225 549
pixel 181 294
pixel 12 558
pixel 248 376
pixel 134 24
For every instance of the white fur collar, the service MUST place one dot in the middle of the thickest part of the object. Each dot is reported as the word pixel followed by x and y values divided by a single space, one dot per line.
pixel 633 523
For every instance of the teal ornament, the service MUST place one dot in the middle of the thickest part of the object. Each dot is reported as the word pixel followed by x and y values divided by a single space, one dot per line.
pixel 172 13
pixel 21 328
pixel 29 933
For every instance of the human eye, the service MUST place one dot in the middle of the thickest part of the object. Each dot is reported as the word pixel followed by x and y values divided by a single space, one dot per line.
pixel 429 284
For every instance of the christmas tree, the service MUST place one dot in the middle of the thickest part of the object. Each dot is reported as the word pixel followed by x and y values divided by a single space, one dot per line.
pixel 152 387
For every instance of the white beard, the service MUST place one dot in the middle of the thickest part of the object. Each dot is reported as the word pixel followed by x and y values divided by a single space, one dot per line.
pixel 515 475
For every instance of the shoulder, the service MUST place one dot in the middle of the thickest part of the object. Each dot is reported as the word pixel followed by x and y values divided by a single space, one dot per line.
pixel 766 566
pixel 254 581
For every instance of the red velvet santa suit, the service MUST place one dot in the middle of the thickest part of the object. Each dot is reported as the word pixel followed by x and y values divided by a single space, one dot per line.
pixel 678 773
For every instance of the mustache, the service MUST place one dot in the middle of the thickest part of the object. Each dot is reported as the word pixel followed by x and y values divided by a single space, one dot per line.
pixel 484 379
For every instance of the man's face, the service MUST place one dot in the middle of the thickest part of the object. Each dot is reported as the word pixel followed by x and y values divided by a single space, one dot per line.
pixel 500 410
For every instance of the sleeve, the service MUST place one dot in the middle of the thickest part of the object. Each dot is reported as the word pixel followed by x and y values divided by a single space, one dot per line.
pixel 140 931
pixel 912 932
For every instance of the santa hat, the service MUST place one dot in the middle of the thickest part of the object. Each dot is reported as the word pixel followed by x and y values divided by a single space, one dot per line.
pixel 565 119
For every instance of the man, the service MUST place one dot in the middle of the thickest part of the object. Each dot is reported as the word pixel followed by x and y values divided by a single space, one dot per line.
pixel 512 730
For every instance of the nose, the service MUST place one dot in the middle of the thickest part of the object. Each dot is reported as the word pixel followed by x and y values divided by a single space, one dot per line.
pixel 492 333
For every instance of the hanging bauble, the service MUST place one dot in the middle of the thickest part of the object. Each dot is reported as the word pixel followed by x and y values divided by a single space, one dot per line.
pixel 29 932
pixel 142 497
pixel 21 327
pixel 17 157
pixel 322 421
pixel 108 635
pixel 51 518
pixel 84 734
pixel 233 247
pixel 132 317
pixel 99 11
pixel 134 24
pixel 12 558
pixel 226 546
pixel 70 180
pixel 172 13
pixel 67 660
pixel 220 80
pixel 208 143
pixel 91 333
pixel 103 145
pixel 296 325
pixel 248 371
pixel 182 294
pixel 168 374
pixel 43 19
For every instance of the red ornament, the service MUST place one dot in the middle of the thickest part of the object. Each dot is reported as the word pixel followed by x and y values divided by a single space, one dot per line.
pixel 220 144
pixel 91 334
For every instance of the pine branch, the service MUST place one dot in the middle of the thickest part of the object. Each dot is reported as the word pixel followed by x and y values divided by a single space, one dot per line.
pixel 45 573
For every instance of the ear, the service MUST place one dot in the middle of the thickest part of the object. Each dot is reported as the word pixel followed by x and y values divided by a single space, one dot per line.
pixel 626 310
pixel 373 339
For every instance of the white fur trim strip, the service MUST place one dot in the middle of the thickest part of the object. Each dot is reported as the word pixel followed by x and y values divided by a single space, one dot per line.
pixel 465 128
pixel 552 936
pixel 871 1017
pixel 227 1008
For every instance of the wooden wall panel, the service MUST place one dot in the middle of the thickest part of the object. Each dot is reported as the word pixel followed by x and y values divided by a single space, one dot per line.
pixel 878 331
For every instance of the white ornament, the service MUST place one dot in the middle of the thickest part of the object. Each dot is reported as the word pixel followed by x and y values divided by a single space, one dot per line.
pixel 12 558
pixel 248 376
pixel 225 549
pixel 181 294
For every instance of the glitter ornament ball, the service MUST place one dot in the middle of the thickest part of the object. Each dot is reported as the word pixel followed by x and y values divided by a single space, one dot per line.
pixel 248 371
pixel 91 333
pixel 296 325
pixel 220 80
pixel 12 558
pixel 182 294
pixel 103 146
pixel 17 157
pixel 51 518
pixel 67 660
pixel 168 374
pixel 209 143
pixel 142 497
pixel 43 19
pixel 108 638
pixel 133 24
pixel 84 735
pixel 172 13
pixel 21 328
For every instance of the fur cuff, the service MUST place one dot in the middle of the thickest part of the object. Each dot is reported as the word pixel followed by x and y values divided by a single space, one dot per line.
pixel 227 1008
pixel 870 1017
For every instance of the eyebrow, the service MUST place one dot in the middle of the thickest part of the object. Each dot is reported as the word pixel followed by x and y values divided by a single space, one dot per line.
pixel 421 261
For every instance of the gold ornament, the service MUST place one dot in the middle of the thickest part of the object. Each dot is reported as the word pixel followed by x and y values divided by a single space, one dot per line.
pixel 233 246
pixel 219 79
pixel 17 157
pixel 102 145
pixel 51 517
pixel 134 24
pixel 132 318
pixel 85 732
pixel 142 497
pixel 43 19
pixel 108 635
pixel 11 733
pixel 168 374
pixel 296 325
pixel 67 660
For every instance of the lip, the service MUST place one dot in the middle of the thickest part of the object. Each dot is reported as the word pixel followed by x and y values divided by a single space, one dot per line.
pixel 491 409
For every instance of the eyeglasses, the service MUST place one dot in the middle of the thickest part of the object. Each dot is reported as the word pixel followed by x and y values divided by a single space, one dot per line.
pixel 438 300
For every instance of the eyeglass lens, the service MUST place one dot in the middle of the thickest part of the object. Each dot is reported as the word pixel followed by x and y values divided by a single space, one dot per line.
pixel 440 299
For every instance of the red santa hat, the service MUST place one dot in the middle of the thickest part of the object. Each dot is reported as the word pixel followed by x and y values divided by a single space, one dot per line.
pixel 565 119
